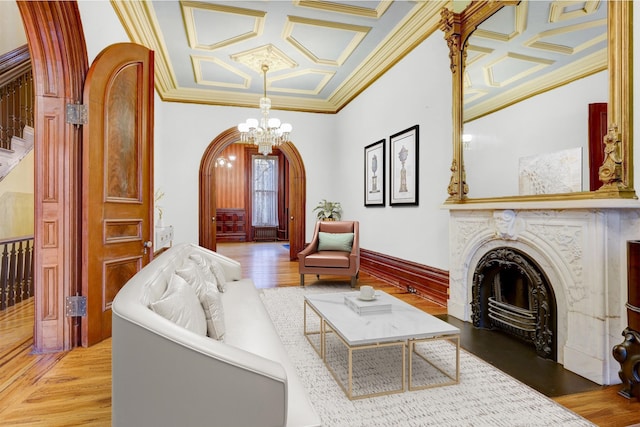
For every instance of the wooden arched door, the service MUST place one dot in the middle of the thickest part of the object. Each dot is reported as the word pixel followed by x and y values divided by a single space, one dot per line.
pixel 207 199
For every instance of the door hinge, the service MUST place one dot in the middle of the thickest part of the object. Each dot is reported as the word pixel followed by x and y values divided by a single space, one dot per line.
pixel 76 114
pixel 76 306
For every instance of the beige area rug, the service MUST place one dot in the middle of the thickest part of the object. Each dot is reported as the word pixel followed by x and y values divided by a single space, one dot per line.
pixel 485 396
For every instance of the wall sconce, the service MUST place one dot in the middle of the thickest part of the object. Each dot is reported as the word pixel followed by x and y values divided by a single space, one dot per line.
pixel 225 162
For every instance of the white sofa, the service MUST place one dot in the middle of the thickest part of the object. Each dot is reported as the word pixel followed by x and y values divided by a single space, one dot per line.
pixel 166 375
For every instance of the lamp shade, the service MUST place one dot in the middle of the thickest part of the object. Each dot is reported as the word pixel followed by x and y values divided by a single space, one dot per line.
pixel 286 127
pixel 274 122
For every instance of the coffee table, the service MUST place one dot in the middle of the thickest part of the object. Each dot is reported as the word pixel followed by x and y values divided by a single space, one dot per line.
pixel 403 327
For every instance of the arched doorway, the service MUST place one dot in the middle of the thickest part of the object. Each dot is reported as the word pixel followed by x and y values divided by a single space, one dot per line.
pixel 207 201
pixel 60 64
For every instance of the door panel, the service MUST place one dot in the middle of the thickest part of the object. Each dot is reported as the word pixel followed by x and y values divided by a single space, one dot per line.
pixel 117 179
pixel 597 131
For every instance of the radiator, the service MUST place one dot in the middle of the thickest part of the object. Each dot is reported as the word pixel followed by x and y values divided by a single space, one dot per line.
pixel 265 233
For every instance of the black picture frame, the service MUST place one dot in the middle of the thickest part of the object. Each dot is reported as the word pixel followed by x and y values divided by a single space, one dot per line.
pixel 404 167
pixel 374 174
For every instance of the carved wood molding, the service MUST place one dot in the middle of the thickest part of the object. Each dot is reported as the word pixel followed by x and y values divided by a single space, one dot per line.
pixel 59 62
pixel 428 282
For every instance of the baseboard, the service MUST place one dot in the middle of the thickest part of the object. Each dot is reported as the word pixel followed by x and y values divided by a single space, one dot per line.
pixel 428 282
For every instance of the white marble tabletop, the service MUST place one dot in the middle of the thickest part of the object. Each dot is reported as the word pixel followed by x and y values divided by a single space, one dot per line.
pixel 402 323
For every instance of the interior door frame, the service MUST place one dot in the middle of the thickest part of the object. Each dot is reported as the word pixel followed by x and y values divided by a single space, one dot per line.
pixel 60 63
pixel 207 195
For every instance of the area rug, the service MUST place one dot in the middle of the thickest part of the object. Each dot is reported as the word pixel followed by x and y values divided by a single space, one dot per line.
pixel 484 396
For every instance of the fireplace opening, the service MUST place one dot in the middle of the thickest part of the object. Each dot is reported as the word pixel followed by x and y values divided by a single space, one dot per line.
pixel 512 294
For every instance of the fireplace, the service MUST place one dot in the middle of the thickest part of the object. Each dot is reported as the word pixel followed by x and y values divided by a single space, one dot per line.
pixel 552 273
pixel 512 294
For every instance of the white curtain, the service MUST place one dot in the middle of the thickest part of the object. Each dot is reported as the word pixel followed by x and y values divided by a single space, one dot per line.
pixel 265 190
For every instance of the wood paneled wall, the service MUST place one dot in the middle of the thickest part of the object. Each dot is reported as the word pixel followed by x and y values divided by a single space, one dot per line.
pixel 230 182
pixel 428 282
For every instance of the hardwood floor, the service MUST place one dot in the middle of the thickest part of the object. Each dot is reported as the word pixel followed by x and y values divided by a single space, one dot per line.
pixel 74 388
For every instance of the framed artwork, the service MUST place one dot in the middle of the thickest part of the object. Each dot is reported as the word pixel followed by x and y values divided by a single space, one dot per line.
pixel 403 167
pixel 551 173
pixel 374 166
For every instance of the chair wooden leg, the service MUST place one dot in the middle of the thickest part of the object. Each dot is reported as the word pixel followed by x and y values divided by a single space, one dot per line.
pixel 302 280
pixel 354 279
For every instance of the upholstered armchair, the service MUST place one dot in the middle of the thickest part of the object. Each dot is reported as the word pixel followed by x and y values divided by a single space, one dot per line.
pixel 334 250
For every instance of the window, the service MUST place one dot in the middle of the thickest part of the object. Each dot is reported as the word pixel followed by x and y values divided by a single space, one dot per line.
pixel 265 190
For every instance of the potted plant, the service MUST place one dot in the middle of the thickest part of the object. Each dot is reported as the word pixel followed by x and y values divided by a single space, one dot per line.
pixel 158 196
pixel 328 211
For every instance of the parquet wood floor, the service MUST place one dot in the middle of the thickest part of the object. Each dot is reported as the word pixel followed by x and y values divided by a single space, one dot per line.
pixel 74 388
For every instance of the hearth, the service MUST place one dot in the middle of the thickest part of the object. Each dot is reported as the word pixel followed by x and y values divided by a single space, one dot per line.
pixel 512 294
pixel 579 250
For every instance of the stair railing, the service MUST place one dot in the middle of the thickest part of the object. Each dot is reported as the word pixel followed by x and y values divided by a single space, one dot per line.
pixel 16 94
pixel 16 271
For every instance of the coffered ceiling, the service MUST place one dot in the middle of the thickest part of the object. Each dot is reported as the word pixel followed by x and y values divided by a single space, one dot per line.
pixel 321 54
pixel 531 48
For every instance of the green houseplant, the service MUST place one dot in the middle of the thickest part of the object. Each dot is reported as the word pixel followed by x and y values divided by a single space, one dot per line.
pixel 328 211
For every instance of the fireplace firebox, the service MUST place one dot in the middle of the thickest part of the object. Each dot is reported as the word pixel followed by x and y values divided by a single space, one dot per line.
pixel 512 294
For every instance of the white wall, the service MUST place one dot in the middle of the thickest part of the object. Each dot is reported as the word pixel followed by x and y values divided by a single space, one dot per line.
pixel 12 33
pixel 415 91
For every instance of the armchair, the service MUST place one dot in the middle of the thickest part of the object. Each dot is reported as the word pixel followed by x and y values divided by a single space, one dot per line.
pixel 334 250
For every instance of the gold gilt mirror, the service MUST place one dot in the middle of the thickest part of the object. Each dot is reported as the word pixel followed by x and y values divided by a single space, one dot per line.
pixel 526 75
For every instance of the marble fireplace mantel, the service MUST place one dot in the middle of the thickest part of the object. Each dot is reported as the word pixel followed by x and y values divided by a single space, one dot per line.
pixel 581 247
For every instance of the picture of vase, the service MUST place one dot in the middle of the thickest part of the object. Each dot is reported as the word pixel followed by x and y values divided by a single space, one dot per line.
pixel 402 155
pixel 374 178
pixel 403 166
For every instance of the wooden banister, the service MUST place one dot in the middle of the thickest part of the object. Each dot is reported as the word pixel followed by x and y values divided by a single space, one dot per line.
pixel 16 94
pixel 16 270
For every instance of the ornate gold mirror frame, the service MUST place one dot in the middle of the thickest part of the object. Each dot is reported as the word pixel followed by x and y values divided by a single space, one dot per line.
pixel 616 172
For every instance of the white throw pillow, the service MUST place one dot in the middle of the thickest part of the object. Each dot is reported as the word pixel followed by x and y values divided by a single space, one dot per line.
pixel 205 271
pixel 218 271
pixel 181 305
pixel 193 276
pixel 213 312
pixel 197 273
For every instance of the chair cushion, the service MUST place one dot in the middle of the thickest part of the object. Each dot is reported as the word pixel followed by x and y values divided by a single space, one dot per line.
pixel 335 241
pixel 327 259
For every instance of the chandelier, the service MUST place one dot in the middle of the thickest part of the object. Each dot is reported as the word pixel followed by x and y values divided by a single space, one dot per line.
pixel 223 161
pixel 268 131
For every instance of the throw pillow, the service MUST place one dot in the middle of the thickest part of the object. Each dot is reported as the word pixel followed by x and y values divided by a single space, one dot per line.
pixel 213 312
pixel 181 305
pixel 204 269
pixel 191 274
pixel 335 241
pixel 218 271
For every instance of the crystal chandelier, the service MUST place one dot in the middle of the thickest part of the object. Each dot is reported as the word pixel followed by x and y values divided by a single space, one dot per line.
pixel 222 161
pixel 266 132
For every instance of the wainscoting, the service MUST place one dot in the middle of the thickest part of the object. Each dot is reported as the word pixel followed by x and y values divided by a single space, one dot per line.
pixel 428 282
pixel 231 225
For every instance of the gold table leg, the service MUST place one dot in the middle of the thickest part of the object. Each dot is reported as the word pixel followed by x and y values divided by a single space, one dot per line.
pixel 455 379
